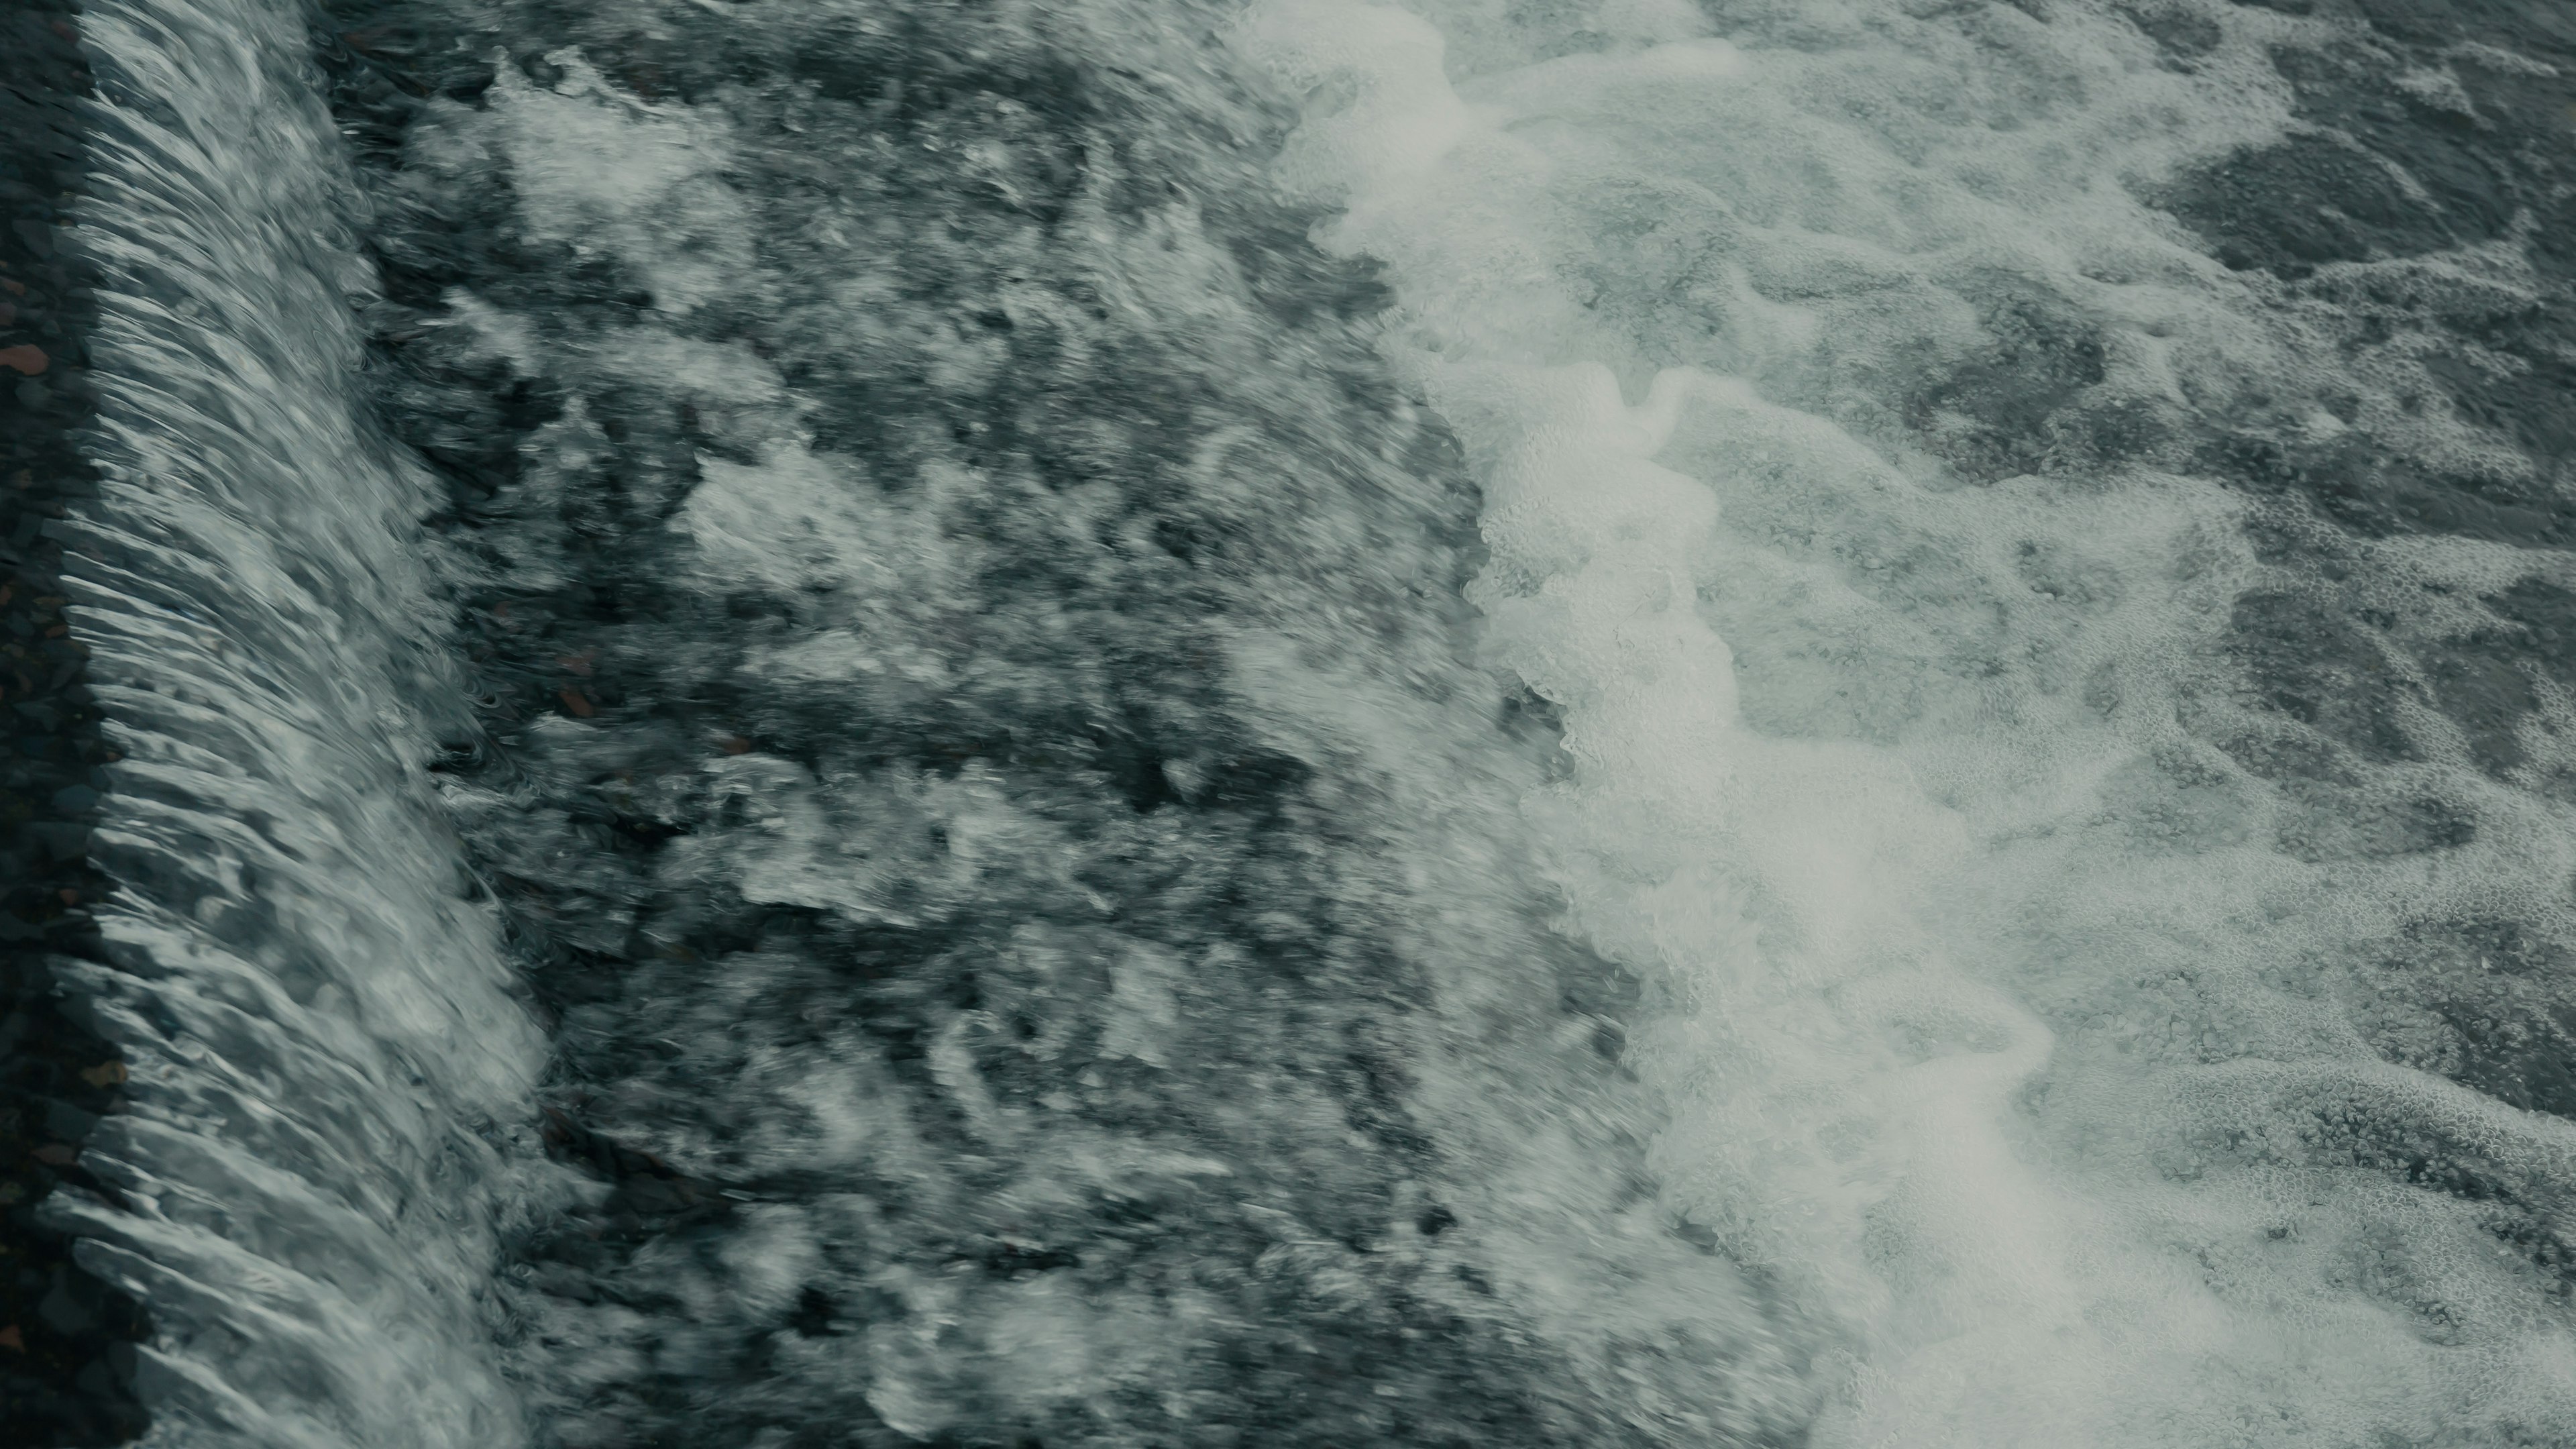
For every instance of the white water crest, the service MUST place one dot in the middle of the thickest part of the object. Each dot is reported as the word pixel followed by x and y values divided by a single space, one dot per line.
pixel 2011 1026
pixel 313 1015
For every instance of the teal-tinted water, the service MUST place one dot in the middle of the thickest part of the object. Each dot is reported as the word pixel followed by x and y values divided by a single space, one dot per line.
pixel 1187 724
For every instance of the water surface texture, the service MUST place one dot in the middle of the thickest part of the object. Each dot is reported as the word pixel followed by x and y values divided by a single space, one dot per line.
pixel 1818 723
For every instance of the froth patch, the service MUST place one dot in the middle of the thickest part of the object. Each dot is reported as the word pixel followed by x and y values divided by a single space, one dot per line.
pixel 1925 741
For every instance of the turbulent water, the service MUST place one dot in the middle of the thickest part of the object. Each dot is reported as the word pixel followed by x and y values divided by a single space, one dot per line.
pixel 1813 723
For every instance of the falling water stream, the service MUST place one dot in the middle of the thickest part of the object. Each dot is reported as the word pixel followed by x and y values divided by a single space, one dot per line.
pixel 1816 723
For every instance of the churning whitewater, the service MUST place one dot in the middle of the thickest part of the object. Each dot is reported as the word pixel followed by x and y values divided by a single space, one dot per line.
pixel 1830 723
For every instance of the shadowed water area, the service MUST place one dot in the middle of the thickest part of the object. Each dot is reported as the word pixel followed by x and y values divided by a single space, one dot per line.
pixel 1496 722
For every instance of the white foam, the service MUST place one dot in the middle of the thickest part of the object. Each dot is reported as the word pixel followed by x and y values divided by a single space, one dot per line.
pixel 2004 1023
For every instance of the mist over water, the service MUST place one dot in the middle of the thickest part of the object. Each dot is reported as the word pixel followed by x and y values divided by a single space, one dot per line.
pixel 1646 723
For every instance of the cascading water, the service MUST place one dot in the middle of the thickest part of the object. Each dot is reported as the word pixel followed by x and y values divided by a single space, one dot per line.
pixel 315 1024
pixel 1823 722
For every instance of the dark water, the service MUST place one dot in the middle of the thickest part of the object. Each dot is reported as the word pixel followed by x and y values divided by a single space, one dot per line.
pixel 69 1382
pixel 1771 723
